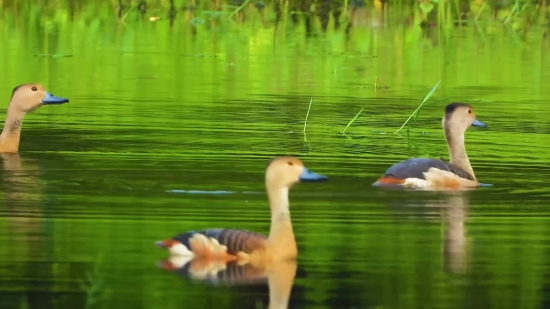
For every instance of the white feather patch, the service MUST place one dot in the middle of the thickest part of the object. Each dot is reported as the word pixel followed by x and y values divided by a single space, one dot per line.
pixel 181 250
pixel 438 179
pixel 210 243
pixel 178 261
pixel 415 183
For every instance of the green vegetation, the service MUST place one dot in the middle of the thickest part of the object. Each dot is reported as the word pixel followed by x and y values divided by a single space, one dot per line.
pixel 352 120
pixel 307 115
pixel 417 111
pixel 320 15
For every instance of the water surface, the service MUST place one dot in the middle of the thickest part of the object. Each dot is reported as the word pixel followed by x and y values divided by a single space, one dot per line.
pixel 170 129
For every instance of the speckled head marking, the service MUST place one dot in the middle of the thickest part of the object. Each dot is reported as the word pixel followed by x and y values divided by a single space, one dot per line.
pixel 460 116
pixel 286 171
pixel 29 97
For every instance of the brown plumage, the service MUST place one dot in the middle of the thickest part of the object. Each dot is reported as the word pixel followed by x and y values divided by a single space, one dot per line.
pixel 24 99
pixel 235 240
pixel 245 246
pixel 433 173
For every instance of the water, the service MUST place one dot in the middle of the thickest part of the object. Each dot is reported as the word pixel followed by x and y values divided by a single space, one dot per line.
pixel 169 130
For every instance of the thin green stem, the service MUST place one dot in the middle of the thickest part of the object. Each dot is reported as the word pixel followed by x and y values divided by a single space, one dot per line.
pixel 419 107
pixel 352 120
pixel 307 115
pixel 238 9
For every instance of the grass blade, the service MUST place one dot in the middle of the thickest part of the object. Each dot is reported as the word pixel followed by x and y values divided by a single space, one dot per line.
pixel 419 107
pixel 352 120
pixel 307 115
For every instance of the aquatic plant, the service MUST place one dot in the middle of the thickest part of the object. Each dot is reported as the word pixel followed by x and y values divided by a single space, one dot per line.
pixel 417 110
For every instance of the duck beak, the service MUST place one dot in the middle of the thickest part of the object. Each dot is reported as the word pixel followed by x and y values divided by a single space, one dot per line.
pixel 478 123
pixel 161 244
pixel 51 99
pixel 308 176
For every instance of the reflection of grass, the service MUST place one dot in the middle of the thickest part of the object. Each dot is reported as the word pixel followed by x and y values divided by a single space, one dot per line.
pixel 24 303
pixel 95 291
pixel 258 304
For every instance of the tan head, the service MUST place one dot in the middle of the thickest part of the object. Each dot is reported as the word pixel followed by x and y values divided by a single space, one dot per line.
pixel 286 171
pixel 459 117
pixel 28 97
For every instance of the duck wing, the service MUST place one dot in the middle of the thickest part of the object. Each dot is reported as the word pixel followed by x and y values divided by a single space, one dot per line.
pixel 416 167
pixel 233 240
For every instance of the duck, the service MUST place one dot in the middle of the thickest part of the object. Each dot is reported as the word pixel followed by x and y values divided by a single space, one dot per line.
pixel 24 99
pixel 426 173
pixel 242 246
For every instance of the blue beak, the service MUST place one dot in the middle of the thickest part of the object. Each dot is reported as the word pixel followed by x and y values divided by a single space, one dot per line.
pixel 308 176
pixel 478 123
pixel 51 99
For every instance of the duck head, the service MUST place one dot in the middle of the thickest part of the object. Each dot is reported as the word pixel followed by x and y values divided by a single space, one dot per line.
pixel 459 117
pixel 28 97
pixel 287 171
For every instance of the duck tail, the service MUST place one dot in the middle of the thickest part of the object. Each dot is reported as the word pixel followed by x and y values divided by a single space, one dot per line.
pixel 437 178
pixel 197 245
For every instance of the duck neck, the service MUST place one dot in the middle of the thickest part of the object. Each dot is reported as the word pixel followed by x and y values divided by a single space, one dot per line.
pixel 281 235
pixel 9 138
pixel 457 150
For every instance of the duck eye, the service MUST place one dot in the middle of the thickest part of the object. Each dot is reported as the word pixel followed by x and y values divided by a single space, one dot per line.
pixel 34 88
pixel 290 163
pixel 469 111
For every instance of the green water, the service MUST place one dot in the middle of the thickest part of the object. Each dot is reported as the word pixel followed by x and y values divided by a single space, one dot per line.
pixel 157 111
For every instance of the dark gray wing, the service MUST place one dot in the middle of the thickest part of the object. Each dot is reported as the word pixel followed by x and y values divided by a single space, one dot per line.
pixel 415 168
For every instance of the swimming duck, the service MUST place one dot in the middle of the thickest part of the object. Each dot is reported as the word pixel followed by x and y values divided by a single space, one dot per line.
pixel 439 174
pixel 24 99
pixel 246 246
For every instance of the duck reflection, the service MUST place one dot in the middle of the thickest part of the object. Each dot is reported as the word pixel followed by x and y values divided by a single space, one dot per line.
pixel 26 240
pixel 451 208
pixel 11 161
pixel 278 275
pixel 20 186
pixel 455 253
pixel 453 211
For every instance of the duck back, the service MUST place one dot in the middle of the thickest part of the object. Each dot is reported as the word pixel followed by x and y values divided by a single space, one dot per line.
pixel 235 240
pixel 416 167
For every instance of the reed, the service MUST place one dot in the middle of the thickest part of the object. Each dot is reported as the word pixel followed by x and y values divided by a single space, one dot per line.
pixel 417 111
pixel 514 15
pixel 352 121
pixel 307 114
